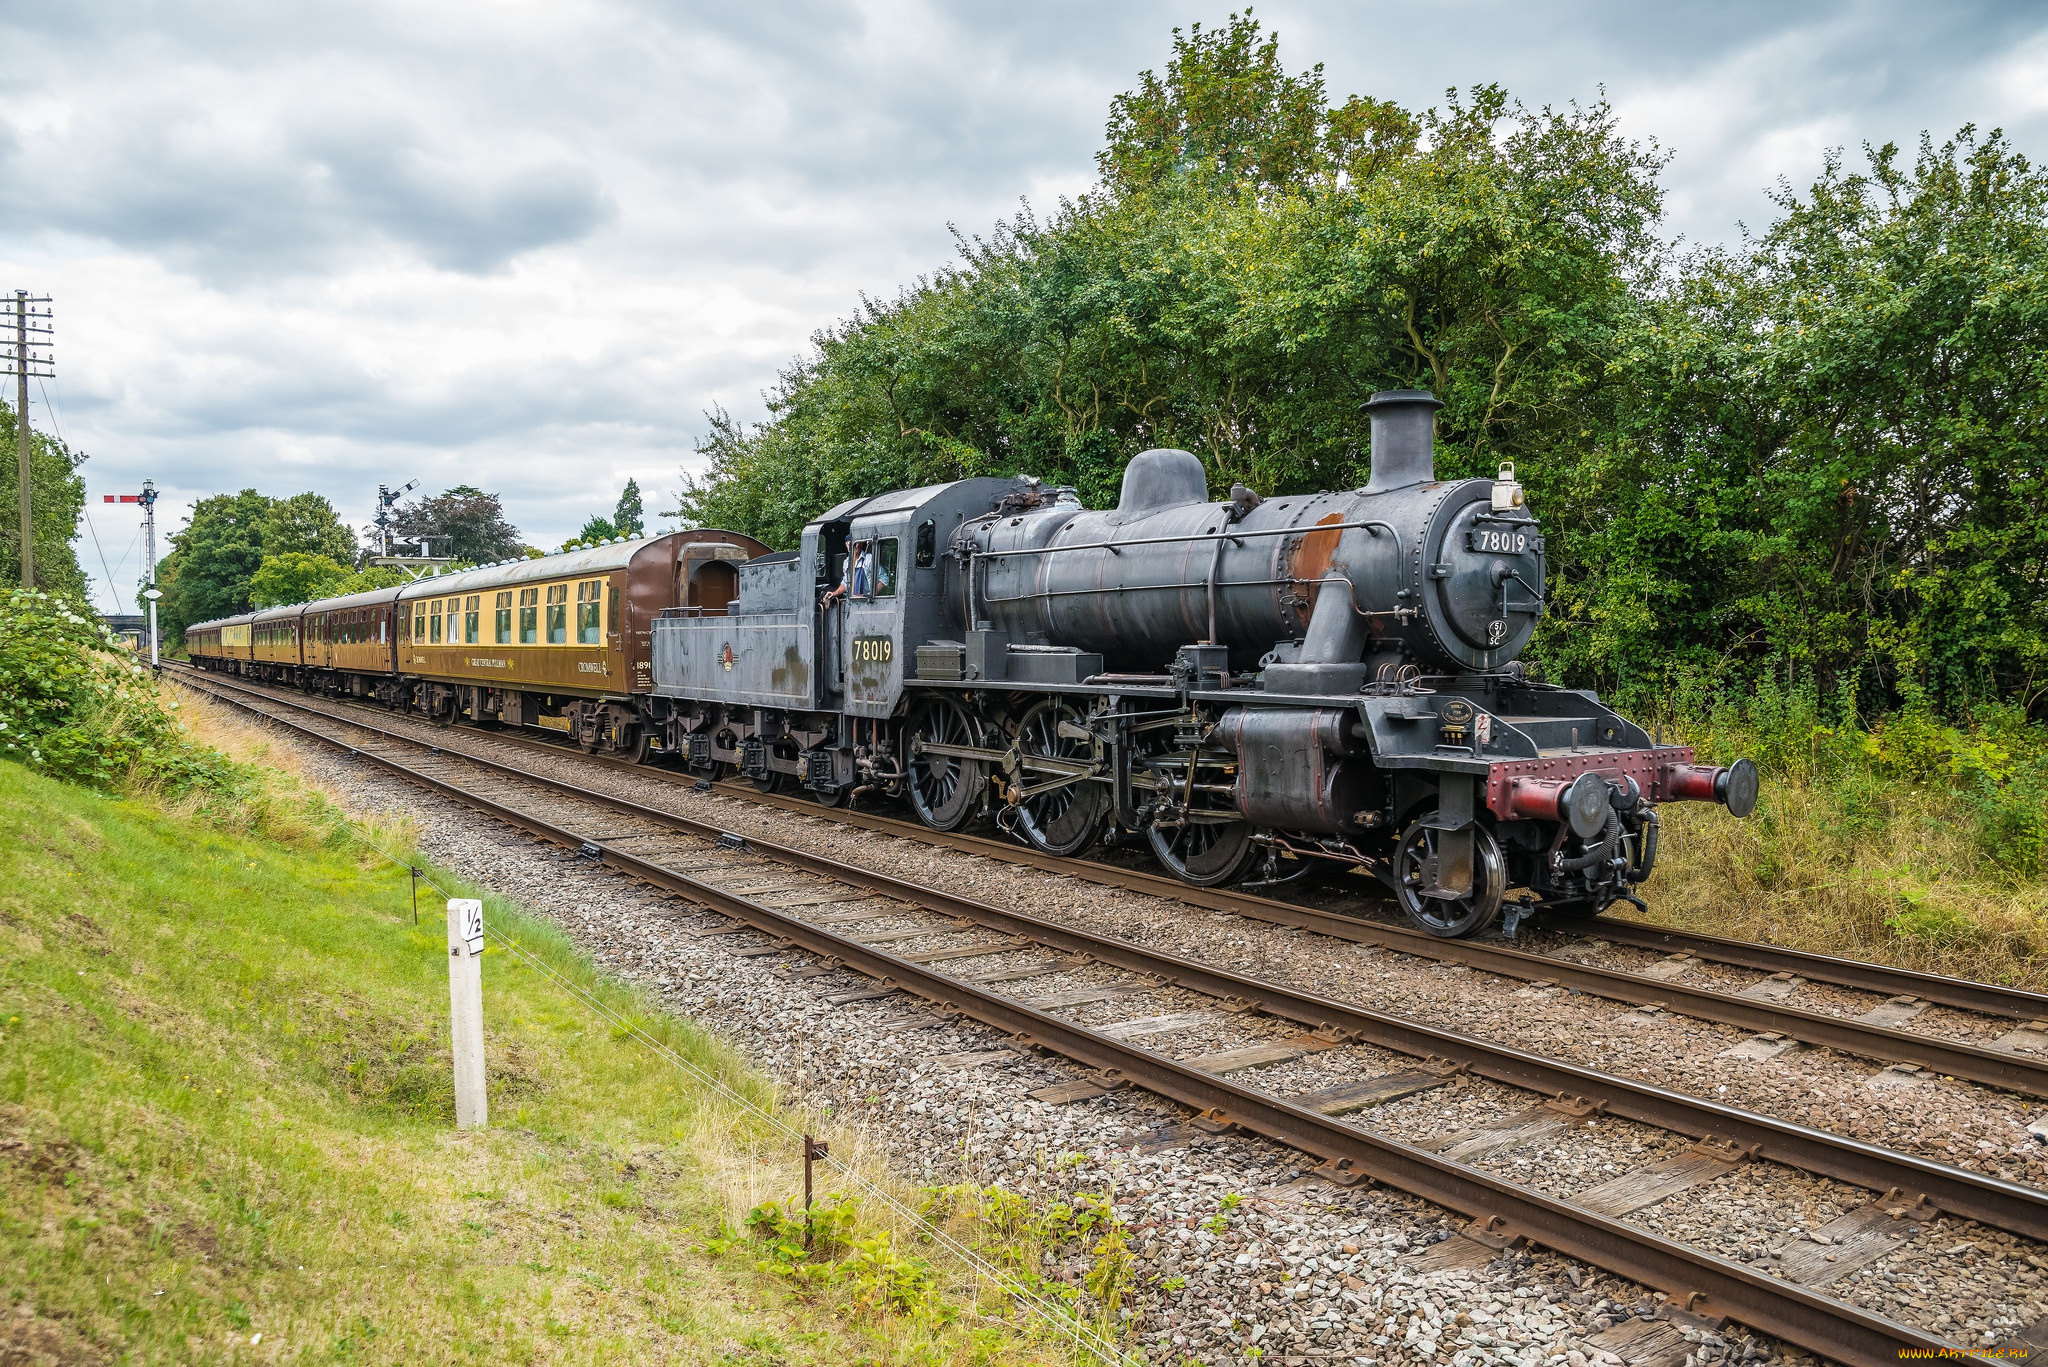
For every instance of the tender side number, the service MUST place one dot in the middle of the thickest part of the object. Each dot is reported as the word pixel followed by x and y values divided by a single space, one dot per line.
pixel 873 650
pixel 1499 541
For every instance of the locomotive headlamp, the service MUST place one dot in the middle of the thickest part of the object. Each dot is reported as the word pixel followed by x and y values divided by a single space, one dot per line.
pixel 1507 493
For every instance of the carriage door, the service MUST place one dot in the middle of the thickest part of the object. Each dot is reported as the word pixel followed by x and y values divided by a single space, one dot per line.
pixel 874 617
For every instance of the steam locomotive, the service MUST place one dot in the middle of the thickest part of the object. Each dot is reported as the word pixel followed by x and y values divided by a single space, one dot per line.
pixel 1263 686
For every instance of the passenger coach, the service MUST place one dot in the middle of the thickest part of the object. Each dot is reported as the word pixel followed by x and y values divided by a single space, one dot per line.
pixel 560 642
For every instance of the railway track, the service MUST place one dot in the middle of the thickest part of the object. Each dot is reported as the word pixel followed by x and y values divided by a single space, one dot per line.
pixel 893 935
pixel 2016 1061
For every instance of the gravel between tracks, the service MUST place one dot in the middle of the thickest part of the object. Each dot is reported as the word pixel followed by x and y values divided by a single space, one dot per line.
pixel 1374 1307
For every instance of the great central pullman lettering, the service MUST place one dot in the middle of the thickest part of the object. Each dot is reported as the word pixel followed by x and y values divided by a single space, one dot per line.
pixel 1308 681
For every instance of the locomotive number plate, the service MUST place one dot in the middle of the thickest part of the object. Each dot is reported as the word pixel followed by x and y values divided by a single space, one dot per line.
pixel 1502 540
pixel 873 649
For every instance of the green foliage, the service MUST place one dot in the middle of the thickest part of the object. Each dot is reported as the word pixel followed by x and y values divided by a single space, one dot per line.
pixel 828 1254
pixel 1991 770
pixel 465 522
pixel 1818 455
pixel 56 500
pixel 307 524
pixel 1256 264
pixel 75 705
pixel 295 577
pixel 1228 116
pixel 216 556
pixel 1831 457
pixel 629 518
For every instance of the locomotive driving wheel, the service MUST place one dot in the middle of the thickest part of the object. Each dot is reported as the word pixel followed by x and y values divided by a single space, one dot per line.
pixel 1415 870
pixel 944 788
pixel 1196 832
pixel 1058 818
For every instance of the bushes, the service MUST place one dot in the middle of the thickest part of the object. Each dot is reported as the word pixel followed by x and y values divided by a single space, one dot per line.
pixel 1909 839
pixel 75 705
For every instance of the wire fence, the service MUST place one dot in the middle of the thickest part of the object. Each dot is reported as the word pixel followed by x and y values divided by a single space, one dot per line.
pixel 1053 1312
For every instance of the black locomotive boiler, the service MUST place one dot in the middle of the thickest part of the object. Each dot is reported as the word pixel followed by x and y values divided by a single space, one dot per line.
pixel 1255 683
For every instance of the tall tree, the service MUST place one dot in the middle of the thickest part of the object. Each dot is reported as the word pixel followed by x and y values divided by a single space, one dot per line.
pixel 467 523
pixel 56 499
pixel 1256 263
pixel 212 559
pixel 629 519
pixel 307 524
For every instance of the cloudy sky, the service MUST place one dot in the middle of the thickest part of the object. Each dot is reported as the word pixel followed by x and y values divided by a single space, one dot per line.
pixel 526 246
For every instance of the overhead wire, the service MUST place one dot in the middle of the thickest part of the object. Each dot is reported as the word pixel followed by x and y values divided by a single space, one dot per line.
pixel 57 423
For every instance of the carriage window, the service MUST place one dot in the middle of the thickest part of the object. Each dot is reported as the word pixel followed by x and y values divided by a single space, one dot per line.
pixel 529 615
pixel 434 622
pixel 885 568
pixel 927 544
pixel 502 614
pixel 469 618
pixel 454 620
pixel 558 614
pixel 589 609
pixel 612 609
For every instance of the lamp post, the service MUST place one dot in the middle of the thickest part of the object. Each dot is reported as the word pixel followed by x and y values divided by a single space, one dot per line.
pixel 152 595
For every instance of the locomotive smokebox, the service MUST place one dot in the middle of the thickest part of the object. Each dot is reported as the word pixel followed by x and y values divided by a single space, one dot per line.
pixel 1403 439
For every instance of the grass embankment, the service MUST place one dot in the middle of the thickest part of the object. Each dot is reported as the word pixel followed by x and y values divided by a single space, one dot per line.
pixel 226 1129
pixel 1910 842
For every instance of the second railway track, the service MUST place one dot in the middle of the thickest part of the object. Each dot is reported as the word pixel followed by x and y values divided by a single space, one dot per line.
pixel 844 916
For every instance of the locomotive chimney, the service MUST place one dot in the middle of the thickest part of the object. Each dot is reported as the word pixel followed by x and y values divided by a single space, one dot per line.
pixel 1403 438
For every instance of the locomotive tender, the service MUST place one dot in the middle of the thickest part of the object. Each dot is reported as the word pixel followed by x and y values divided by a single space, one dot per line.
pixel 1326 680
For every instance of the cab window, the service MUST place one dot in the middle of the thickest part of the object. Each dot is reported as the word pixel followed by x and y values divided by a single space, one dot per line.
pixel 502 619
pixel 885 568
pixel 927 544
pixel 529 616
pixel 590 612
pixel 558 614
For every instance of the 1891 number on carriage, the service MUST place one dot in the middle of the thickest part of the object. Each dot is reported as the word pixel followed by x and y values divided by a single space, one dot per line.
pixel 1501 540
pixel 877 650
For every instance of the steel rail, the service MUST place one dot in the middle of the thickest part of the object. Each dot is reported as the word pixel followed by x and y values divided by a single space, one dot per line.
pixel 1989 999
pixel 1992 1068
pixel 2012 1206
pixel 1960 993
pixel 1701 1282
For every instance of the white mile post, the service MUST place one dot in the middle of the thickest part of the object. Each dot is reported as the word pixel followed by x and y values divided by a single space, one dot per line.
pixel 466 1007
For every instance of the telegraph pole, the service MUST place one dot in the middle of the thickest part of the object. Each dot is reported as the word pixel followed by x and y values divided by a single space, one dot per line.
pixel 23 356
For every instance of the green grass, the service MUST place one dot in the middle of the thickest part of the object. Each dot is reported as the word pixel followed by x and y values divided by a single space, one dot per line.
pixel 226 1112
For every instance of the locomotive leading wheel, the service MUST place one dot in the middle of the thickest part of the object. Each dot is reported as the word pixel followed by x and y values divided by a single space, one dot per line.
pixel 943 788
pixel 1448 917
pixel 1062 820
pixel 1205 842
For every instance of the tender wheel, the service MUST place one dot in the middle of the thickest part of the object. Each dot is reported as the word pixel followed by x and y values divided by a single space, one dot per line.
pixel 1063 820
pixel 832 797
pixel 1203 843
pixel 943 788
pixel 1449 918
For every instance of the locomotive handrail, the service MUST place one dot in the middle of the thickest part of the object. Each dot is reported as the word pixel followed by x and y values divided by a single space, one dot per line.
pixel 1240 536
